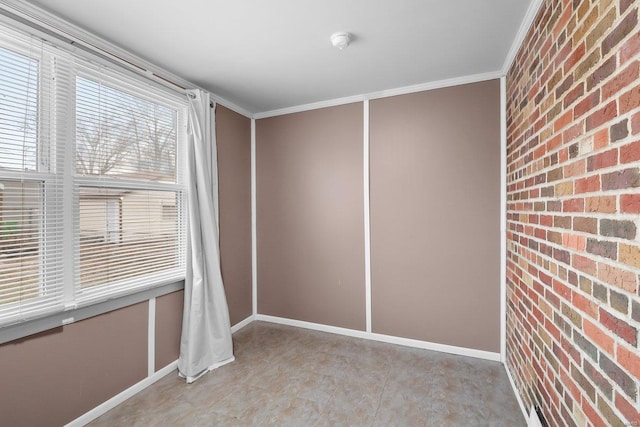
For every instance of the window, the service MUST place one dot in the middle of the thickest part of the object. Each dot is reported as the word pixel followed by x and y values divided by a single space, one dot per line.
pixel 125 170
pixel 91 191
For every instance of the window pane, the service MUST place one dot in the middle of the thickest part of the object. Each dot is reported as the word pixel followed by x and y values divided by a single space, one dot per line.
pixel 123 136
pixel 126 234
pixel 20 224
pixel 18 111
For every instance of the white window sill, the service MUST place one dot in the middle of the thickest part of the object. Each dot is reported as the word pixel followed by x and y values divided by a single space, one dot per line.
pixel 30 327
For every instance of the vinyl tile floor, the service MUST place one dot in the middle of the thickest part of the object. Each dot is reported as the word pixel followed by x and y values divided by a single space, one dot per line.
pixel 285 376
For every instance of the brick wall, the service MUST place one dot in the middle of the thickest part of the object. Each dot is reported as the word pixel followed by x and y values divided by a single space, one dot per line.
pixel 573 205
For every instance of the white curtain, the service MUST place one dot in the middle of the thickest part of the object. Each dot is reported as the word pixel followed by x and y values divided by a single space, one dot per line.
pixel 206 332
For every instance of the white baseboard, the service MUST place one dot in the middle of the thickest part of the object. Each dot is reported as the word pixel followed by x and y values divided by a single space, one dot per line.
pixel 408 342
pixel 534 419
pixel 235 328
pixel 121 397
pixel 516 392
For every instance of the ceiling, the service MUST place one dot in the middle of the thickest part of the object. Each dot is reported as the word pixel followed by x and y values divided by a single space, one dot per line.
pixel 267 55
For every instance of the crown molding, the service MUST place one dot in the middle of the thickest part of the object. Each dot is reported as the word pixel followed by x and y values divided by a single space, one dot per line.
pixel 526 23
pixel 475 78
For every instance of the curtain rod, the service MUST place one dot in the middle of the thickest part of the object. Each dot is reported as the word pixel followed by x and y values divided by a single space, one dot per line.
pixel 47 30
pixel 47 25
pixel 192 96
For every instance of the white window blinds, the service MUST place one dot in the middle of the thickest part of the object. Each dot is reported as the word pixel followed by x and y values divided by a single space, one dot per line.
pixel 91 191
pixel 31 276
pixel 126 181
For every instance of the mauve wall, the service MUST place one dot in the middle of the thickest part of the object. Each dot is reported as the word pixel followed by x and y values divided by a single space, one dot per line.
pixel 435 215
pixel 54 377
pixel 168 328
pixel 233 135
pixel 310 216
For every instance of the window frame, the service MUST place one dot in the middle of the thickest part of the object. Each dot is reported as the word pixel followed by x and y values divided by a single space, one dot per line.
pixel 116 80
pixel 61 165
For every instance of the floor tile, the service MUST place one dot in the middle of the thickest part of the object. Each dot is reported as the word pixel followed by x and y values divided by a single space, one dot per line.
pixel 285 376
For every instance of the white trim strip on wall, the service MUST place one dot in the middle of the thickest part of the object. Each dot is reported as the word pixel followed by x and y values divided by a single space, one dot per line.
pixel 503 219
pixel 457 81
pixel 254 223
pixel 515 391
pixel 367 217
pixel 123 396
pixel 407 342
pixel 151 338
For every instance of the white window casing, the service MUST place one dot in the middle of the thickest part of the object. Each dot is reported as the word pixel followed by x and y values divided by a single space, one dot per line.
pixel 90 177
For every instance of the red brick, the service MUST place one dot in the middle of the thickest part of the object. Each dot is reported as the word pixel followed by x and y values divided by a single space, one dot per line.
pixel 589 102
pixel 621 80
pixel 554 143
pixel 574 57
pixel 630 203
pixel 635 123
pixel 601 139
pixel 562 121
pixel 573 95
pixel 598 336
pixel 619 327
pixel 584 264
pixel 595 418
pixel 573 241
pixel 563 155
pixel 623 279
pixel 602 115
pixel 603 160
pixel 630 153
pixel 620 31
pixel 561 23
pixel 629 359
pixel 562 222
pixel 564 86
pixel 546 220
pixel 588 185
pixel 575 168
pixel 585 304
pixel 601 73
pixel 626 409
pixel 585 224
pixel 573 205
pixel 629 100
pixel 572 133
pixel 630 48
